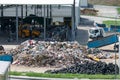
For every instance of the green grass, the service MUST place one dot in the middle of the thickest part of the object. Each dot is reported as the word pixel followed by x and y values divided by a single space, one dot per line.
pixel 111 22
pixel 70 76
pixel 118 9
pixel 15 73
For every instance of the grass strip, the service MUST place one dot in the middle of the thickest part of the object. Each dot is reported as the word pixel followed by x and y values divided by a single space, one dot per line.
pixel 111 22
pixel 67 75
pixel 118 9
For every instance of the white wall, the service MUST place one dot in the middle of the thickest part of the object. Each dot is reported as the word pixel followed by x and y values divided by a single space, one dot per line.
pixel 63 11
pixel 84 3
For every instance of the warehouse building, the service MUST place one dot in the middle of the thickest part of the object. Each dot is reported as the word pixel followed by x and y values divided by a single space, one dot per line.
pixel 45 14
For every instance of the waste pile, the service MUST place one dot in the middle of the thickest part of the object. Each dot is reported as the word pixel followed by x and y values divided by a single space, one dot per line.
pixel 89 12
pixel 42 53
pixel 69 57
pixel 101 54
pixel 89 68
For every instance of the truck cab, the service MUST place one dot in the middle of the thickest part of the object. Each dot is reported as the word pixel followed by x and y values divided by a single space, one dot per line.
pixel 96 32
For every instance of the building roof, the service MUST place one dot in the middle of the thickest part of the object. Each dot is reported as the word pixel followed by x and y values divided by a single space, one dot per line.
pixel 37 2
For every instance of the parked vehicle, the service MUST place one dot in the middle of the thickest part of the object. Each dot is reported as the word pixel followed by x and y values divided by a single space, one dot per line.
pixel 96 32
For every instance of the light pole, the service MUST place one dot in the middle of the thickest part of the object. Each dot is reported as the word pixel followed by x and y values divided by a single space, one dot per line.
pixel 119 56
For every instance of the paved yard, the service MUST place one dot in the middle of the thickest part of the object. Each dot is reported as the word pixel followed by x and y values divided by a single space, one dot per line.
pixel 106 11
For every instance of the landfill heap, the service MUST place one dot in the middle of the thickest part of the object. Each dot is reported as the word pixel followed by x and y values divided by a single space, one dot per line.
pixel 89 68
pixel 48 54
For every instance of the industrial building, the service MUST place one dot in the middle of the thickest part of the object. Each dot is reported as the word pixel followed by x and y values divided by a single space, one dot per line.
pixel 52 18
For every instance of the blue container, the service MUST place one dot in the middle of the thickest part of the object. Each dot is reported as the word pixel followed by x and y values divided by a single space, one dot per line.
pixel 103 42
pixel 115 28
pixel 118 30
pixel 106 29
pixel 6 58
pixel 101 25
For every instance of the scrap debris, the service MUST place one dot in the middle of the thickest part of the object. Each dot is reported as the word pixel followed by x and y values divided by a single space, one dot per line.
pixel 55 54
pixel 41 53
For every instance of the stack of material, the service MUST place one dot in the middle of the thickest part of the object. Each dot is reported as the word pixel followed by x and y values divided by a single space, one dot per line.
pixel 55 54
pixel 101 54
pixel 52 54
pixel 90 68
pixel 89 12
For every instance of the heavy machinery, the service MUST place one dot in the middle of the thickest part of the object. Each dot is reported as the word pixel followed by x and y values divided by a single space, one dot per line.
pixel 28 30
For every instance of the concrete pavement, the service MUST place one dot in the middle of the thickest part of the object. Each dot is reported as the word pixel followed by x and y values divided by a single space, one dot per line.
pixel 106 11
pixel 96 19
pixel 40 78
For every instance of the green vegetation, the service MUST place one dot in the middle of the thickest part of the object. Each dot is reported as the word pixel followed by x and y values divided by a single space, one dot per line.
pixel 48 75
pixel 15 73
pixel 118 9
pixel 111 22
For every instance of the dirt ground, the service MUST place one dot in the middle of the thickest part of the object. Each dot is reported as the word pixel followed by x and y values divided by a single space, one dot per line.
pixel 21 68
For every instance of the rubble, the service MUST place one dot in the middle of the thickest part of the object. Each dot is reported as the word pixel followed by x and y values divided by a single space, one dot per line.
pixel 41 53
pixel 100 54
pixel 55 54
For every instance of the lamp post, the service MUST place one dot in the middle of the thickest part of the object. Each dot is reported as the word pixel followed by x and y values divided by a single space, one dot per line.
pixel 119 55
pixel 119 49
